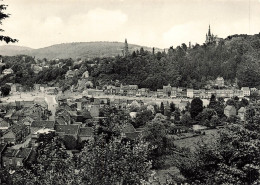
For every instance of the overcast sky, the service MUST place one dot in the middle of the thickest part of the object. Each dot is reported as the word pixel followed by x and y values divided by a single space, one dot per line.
pixel 154 23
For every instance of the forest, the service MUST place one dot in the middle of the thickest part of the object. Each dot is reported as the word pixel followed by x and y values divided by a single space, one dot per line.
pixel 235 58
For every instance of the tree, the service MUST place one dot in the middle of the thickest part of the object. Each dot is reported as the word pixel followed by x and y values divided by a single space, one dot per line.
pixel 232 158
pixel 212 101
pixel 70 142
pixel 172 107
pixel 142 118
pixel 113 163
pixel 5 90
pixel 186 119
pixel 196 107
pixel 159 144
pixel 3 16
pixel 162 107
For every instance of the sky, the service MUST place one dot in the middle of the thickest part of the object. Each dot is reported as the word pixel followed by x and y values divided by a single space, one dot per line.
pixel 153 23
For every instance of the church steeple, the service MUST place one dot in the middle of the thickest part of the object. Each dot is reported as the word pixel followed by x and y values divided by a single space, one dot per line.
pixel 209 36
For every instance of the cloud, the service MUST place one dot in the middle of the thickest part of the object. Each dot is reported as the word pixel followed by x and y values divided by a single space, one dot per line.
pixel 95 25
pixel 99 20
pixel 184 33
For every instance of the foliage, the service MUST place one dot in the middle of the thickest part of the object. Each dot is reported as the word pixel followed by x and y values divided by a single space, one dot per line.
pixel 142 118
pixel 113 162
pixel 5 90
pixel 233 158
pixel 196 107
pixel 3 16
pixel 70 142
pixel 159 144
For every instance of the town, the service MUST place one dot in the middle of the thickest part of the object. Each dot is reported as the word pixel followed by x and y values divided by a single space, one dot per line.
pixel 126 92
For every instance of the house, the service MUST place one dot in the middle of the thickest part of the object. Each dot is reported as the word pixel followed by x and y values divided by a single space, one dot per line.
pixel 160 93
pixel 37 125
pixel 69 130
pixel 8 157
pixel 167 90
pixel 190 93
pixel 128 131
pixel 17 133
pixel 142 92
pixel 22 156
pixel 242 113
pixel 36 87
pixel 3 146
pixel 69 74
pixel 246 91
pixel 202 93
pixel 52 90
pixel 238 93
pixel 86 133
pixel 173 92
pixel 94 110
pixel 132 90
pixel 230 110
pixel 219 82
pixel 196 93
pixel 85 75
pixel 7 71
pixel 94 92
pixel 15 157
pixel 4 125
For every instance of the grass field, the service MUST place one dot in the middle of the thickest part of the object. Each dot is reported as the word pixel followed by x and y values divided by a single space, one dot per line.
pixel 192 142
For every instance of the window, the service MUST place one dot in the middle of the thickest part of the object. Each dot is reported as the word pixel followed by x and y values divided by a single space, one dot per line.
pixel 10 161
pixel 18 163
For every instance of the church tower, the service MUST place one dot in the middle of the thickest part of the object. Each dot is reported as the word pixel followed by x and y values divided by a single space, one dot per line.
pixel 209 37
pixel 125 51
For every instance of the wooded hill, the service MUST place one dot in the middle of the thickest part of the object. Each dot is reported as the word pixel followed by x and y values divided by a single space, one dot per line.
pixel 71 50
pixel 236 57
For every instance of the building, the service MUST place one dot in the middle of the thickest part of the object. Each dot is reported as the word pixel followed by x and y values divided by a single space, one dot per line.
pixel 86 133
pixel 3 146
pixel 125 50
pixel 210 38
pixel 173 92
pixel 242 113
pixel 8 71
pixel 16 134
pixel 67 130
pixel 160 93
pixel 167 90
pixel 132 90
pixel 246 91
pixel 15 157
pixel 230 110
pixel 189 93
pixel 219 82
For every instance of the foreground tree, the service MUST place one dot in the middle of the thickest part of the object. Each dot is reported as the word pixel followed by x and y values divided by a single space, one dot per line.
pixel 3 16
pixel 113 163
pixel 233 158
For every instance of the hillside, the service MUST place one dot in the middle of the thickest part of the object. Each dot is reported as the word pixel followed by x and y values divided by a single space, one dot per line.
pixel 10 50
pixel 72 50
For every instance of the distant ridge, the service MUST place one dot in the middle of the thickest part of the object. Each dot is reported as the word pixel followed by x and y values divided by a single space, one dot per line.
pixel 72 50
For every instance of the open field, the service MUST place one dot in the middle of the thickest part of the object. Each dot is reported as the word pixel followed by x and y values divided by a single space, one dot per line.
pixel 192 142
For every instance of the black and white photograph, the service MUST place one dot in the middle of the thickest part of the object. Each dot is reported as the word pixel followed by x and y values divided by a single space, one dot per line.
pixel 129 92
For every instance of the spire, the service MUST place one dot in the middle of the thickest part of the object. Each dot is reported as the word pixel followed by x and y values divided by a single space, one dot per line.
pixel 209 31
pixel 126 41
